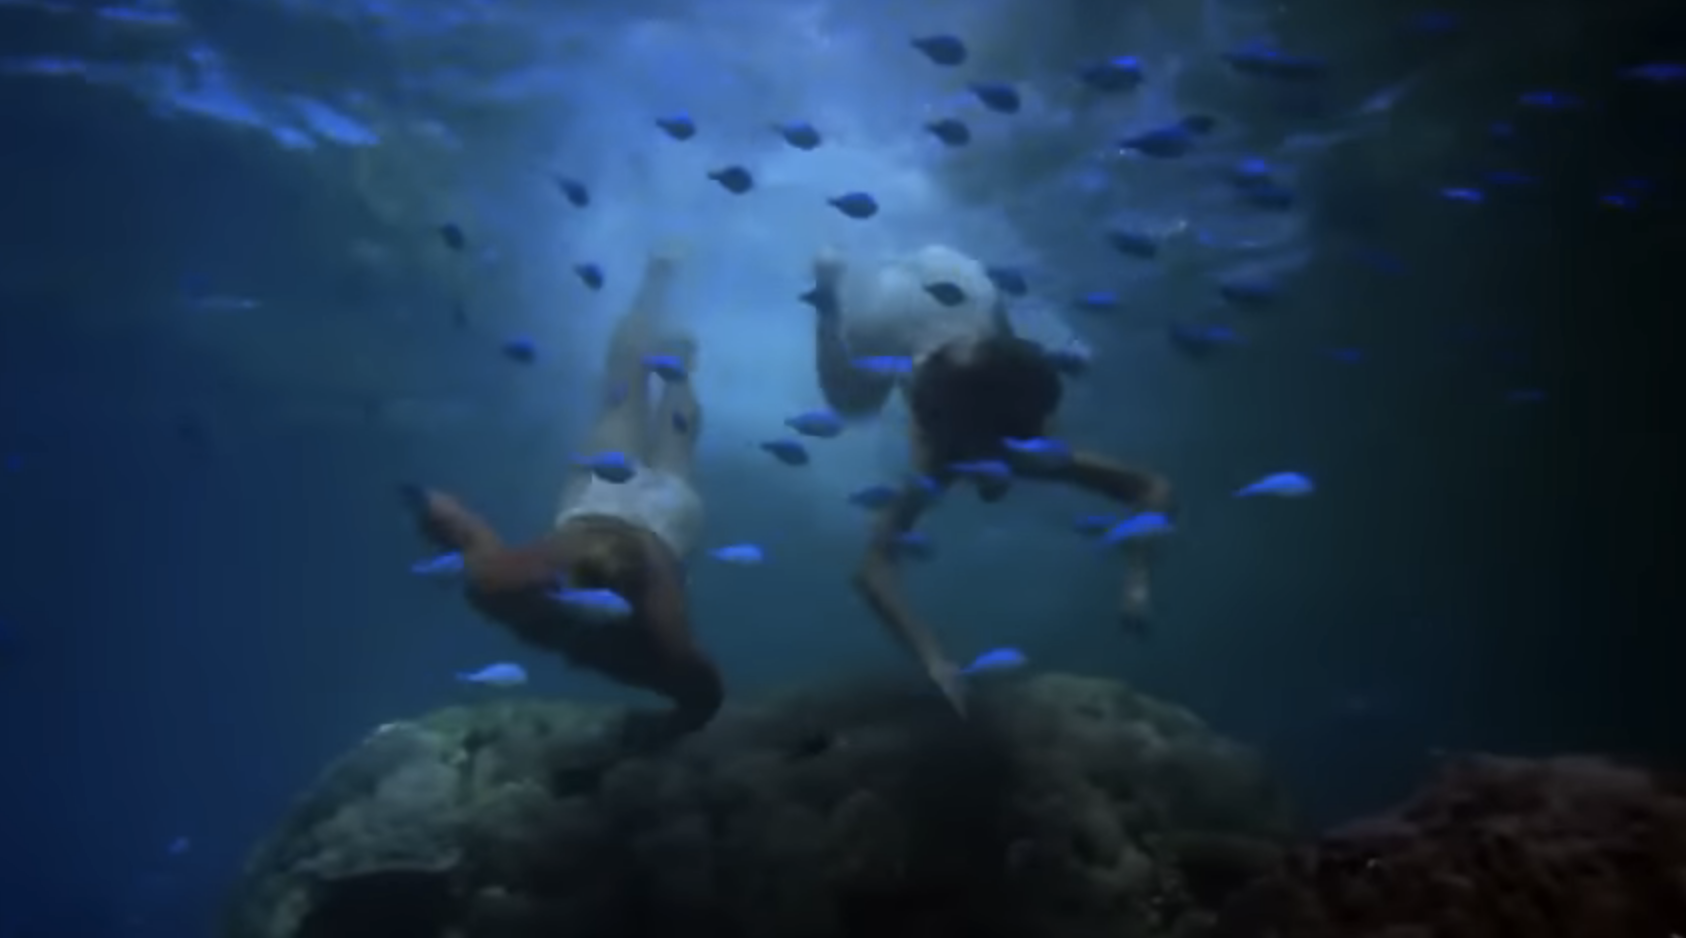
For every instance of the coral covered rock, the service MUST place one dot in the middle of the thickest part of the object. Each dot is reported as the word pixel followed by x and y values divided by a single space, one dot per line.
pixel 1063 807
pixel 1573 847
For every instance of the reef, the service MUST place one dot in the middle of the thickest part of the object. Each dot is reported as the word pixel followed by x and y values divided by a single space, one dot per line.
pixel 1063 806
pixel 1491 847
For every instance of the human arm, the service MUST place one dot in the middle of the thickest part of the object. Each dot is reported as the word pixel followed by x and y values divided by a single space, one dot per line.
pixel 1142 489
pixel 879 583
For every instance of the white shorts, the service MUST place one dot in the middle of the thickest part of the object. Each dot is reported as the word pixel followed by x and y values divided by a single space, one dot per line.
pixel 660 501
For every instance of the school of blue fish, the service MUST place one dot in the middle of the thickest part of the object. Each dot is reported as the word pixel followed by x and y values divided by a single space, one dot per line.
pixel 1256 183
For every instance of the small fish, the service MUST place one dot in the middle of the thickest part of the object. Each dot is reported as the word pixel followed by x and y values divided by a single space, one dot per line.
pixel 946 293
pixel 1346 355
pixel 520 349
pixel 1250 171
pixel 590 274
pixel 1199 341
pixel 799 134
pixel 913 545
pixel 951 131
pixel 1114 75
pixel 1101 301
pixel 1148 524
pixel 178 846
pixel 1279 484
pixel 941 49
pixel 886 365
pixel 789 452
pixel 1248 292
pixel 1548 100
pixel 678 126
pixel 824 424
pixel 573 190
pixel 593 606
pixel 451 233
pixel 734 179
pixel 1268 195
pixel 669 368
pixel 742 555
pixel 996 660
pixel 1657 73
pixel 681 423
pixel 1094 525
pixel 505 674
pixel 610 466
pixel 984 470
pixel 1261 59
pixel 874 497
pixel 1133 244
pixel 998 96
pixel 1039 451
pixel 856 205
pixel 1009 280
pixel 444 565
pixel 1170 141
pixel 1463 194
pixel 928 487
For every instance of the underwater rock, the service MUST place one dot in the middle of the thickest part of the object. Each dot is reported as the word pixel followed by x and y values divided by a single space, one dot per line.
pixel 1573 846
pixel 1065 806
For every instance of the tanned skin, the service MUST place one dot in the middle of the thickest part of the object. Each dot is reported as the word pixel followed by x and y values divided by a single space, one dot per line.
pixel 513 585
pixel 854 391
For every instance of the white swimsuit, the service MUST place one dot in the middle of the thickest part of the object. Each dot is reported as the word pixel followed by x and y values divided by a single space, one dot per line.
pixel 890 313
pixel 659 501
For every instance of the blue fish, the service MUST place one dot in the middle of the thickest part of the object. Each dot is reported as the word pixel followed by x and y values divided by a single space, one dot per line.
pixel 1268 195
pixel 912 544
pixel 984 470
pixel 574 191
pixel 520 349
pixel 799 134
pixel 951 131
pixel 1094 524
pixel 590 274
pixel 1200 341
pixel 874 497
pixel 1009 280
pixel 734 179
pixel 941 49
pixel 1114 75
pixel 678 126
pixel 997 659
pixel 1658 73
pixel 610 466
pixel 998 96
pixel 444 565
pixel 1279 484
pixel 1463 194
pixel 1039 451
pixel 742 555
pixel 1250 171
pixel 1133 244
pixel 1148 524
pixel 789 452
pixel 886 365
pixel 825 424
pixel 1101 301
pixel 1261 59
pixel 666 367
pixel 505 674
pixel 593 606
pixel 857 205
pixel 1244 291
pixel 1170 141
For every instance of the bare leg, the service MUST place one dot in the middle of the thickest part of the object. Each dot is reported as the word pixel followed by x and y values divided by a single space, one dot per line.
pixel 677 422
pixel 624 397
pixel 849 390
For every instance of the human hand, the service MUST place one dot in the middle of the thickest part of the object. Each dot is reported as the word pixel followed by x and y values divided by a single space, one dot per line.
pixel 1135 609
pixel 828 267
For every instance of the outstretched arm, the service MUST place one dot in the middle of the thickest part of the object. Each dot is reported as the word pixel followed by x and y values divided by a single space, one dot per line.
pixel 1140 488
pixel 450 525
pixel 848 389
pixel 878 582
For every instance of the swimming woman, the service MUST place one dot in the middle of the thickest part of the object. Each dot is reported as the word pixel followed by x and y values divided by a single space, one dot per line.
pixel 970 385
pixel 625 540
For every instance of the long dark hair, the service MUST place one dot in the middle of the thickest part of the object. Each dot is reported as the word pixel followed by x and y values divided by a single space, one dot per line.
pixel 967 400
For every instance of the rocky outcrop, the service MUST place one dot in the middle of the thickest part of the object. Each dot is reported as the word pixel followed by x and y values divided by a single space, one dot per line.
pixel 1063 807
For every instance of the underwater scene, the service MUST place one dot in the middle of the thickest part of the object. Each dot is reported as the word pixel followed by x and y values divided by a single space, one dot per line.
pixel 841 469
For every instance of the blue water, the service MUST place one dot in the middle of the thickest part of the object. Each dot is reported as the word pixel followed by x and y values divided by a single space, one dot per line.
pixel 228 328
